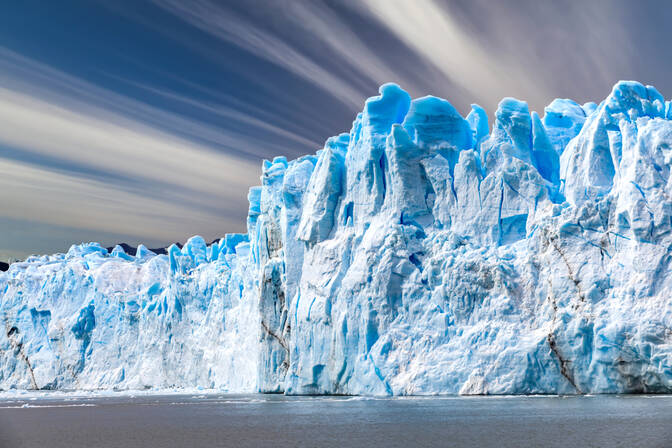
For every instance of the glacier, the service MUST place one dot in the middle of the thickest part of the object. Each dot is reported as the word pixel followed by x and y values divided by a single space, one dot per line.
pixel 421 253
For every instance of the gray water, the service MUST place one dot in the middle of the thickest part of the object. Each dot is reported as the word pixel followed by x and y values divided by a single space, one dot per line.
pixel 278 421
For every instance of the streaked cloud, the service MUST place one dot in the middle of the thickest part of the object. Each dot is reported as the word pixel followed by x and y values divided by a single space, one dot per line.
pixel 332 35
pixel 477 51
pixel 42 195
pixel 40 81
pixel 440 38
pixel 232 27
pixel 64 133
pixel 128 148
pixel 491 50
pixel 229 113
pixel 155 134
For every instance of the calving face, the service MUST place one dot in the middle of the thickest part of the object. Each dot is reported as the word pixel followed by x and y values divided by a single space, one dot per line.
pixel 418 254
pixel 89 320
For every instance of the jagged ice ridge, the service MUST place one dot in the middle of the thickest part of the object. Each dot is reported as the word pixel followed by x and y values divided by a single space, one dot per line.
pixel 421 253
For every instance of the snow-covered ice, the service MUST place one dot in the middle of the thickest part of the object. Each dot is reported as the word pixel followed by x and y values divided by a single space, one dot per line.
pixel 422 253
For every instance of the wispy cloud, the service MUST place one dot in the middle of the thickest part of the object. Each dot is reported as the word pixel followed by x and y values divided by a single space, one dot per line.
pixel 229 113
pixel 437 35
pixel 477 51
pixel 41 195
pixel 227 25
pixel 331 35
pixel 101 142
pixel 64 132
pixel 166 153
pixel 491 49
pixel 37 80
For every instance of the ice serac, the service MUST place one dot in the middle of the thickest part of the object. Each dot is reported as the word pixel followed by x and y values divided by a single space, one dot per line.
pixel 420 253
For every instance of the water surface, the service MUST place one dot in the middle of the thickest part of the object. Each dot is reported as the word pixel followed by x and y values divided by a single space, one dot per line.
pixel 211 420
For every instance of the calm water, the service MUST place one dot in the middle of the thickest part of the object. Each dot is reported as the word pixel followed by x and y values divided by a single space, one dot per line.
pixel 252 421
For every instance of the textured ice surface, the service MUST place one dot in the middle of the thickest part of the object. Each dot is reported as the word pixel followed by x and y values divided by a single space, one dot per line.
pixel 421 253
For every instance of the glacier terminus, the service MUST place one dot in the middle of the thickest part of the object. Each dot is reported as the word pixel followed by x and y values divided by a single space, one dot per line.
pixel 421 253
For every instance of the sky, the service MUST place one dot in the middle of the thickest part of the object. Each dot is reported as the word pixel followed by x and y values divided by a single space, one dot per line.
pixel 146 121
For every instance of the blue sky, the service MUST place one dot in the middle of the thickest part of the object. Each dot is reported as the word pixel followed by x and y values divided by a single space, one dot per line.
pixel 146 121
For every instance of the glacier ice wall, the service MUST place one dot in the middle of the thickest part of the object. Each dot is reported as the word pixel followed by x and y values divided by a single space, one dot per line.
pixel 421 253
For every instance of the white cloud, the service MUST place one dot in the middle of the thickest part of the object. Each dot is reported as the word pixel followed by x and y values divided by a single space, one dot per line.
pixel 437 35
pixel 41 195
pixel 229 113
pixel 36 80
pixel 131 149
pixel 535 51
pixel 231 27
pixel 158 184
pixel 331 32
pixel 173 175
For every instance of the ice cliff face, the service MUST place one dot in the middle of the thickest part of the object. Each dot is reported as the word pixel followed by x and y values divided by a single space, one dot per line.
pixel 421 253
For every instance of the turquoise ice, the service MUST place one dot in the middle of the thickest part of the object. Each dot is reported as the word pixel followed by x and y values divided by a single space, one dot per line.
pixel 422 253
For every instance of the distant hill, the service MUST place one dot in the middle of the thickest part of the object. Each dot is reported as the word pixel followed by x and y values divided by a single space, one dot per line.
pixel 130 250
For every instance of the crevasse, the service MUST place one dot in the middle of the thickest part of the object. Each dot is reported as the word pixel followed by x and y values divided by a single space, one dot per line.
pixel 421 253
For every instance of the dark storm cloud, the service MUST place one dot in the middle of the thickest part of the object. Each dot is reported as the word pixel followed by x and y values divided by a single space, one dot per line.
pixel 148 120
